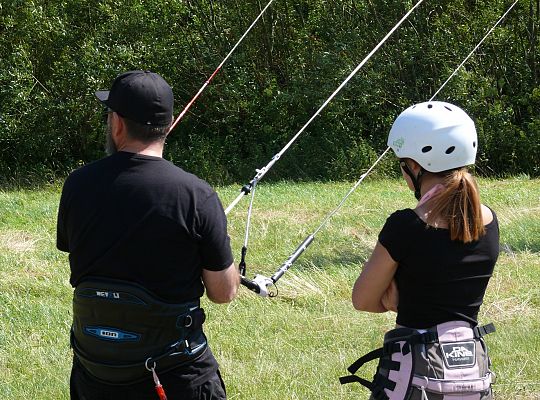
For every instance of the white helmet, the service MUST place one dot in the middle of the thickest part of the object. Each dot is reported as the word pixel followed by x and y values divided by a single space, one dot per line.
pixel 437 135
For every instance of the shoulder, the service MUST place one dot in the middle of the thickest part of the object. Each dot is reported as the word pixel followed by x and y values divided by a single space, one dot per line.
pixel 199 187
pixel 400 222
pixel 178 176
pixel 192 189
pixel 402 217
pixel 488 215
pixel 82 174
pixel 399 229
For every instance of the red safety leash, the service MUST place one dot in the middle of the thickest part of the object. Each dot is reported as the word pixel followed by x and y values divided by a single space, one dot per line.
pixel 159 388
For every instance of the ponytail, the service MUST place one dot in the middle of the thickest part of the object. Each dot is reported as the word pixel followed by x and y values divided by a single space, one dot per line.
pixel 459 205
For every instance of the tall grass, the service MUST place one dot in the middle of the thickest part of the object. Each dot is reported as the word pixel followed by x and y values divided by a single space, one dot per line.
pixel 296 345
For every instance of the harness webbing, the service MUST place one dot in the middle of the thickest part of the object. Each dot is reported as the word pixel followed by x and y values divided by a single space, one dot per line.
pixel 480 331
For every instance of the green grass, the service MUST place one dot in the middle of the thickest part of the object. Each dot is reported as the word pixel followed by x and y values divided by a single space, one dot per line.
pixel 296 345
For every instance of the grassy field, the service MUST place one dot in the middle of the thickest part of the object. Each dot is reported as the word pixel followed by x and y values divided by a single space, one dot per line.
pixel 294 346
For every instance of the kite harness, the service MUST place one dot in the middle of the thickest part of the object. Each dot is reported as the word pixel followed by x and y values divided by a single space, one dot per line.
pixel 447 361
pixel 121 332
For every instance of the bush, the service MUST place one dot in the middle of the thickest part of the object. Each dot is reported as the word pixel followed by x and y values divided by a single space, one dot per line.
pixel 54 55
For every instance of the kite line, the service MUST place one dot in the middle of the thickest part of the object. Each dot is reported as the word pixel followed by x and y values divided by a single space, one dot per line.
pixel 261 284
pixel 188 106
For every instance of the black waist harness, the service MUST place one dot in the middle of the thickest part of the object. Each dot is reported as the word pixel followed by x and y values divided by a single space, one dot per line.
pixel 121 331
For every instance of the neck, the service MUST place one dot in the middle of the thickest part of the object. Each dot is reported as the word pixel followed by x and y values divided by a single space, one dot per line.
pixel 149 149
pixel 429 181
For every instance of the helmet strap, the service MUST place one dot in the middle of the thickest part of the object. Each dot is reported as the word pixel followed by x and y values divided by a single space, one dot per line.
pixel 415 179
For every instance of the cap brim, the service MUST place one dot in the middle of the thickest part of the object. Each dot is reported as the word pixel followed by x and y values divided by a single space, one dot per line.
pixel 103 96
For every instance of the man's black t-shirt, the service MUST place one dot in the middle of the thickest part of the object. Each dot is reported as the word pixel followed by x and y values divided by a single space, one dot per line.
pixel 141 218
pixel 438 279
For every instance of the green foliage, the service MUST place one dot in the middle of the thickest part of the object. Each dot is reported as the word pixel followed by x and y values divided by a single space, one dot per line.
pixel 54 55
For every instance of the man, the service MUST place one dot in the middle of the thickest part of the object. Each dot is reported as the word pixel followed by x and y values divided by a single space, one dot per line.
pixel 145 239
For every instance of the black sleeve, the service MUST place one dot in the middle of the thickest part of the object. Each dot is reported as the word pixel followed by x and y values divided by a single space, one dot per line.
pixel 62 243
pixel 395 235
pixel 215 247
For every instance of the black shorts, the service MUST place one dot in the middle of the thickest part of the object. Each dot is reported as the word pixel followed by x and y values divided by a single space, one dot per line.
pixel 82 387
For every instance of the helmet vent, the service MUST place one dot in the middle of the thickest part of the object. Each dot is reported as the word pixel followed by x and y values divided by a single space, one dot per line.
pixel 450 149
pixel 426 149
pixel 448 108
pixel 473 144
pixel 430 106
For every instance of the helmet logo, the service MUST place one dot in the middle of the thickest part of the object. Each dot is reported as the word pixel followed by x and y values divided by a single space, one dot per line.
pixel 398 143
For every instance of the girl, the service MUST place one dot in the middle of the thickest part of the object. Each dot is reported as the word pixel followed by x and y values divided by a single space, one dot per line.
pixel 432 264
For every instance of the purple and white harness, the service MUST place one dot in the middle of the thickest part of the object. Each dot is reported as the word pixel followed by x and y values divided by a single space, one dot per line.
pixel 448 361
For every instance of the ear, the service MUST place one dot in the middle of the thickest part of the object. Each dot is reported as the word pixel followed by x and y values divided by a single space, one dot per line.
pixel 414 166
pixel 117 125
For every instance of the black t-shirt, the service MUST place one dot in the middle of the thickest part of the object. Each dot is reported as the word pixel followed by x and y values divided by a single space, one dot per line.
pixel 438 279
pixel 142 219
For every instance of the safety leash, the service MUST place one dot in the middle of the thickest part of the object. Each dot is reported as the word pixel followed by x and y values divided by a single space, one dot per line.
pixel 159 388
pixel 260 283
pixel 188 106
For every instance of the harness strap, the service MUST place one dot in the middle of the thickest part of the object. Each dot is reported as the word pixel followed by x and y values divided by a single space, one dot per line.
pixel 391 348
pixel 372 355
pixel 353 378
pixel 480 331
pixel 453 386
pixel 377 391
pixel 387 349
pixel 424 338
pixel 193 320
pixel 389 364
pixel 383 382
pixel 379 394
pixel 432 336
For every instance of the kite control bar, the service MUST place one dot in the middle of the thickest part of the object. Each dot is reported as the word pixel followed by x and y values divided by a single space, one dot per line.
pixel 261 284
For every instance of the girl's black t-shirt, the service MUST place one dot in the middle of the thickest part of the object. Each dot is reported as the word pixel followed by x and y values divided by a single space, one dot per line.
pixel 438 279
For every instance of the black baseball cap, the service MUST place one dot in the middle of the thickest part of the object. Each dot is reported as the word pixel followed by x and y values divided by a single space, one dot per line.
pixel 141 96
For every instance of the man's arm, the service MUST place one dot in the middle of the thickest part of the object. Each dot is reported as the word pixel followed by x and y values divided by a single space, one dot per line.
pixel 62 242
pixel 221 286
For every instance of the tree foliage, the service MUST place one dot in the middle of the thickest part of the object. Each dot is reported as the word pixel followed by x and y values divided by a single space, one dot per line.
pixel 55 54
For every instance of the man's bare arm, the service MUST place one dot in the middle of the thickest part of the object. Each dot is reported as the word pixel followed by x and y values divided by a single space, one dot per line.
pixel 221 286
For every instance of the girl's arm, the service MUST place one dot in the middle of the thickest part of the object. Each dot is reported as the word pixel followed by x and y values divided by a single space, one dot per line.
pixel 374 290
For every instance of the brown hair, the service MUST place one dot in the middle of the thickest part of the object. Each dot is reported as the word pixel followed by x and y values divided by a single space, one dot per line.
pixel 459 205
